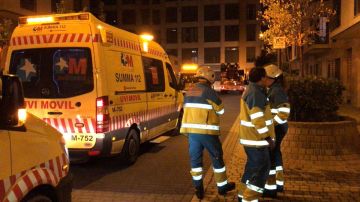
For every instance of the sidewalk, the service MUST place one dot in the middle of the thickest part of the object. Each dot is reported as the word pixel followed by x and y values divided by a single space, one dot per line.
pixel 326 181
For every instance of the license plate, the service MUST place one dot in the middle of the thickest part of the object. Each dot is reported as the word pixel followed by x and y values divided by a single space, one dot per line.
pixel 82 138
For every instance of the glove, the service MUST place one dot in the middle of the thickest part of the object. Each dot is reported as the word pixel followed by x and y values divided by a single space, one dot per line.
pixel 271 143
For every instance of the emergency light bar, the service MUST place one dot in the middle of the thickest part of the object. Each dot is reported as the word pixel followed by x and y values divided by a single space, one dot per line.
pixel 189 67
pixel 51 19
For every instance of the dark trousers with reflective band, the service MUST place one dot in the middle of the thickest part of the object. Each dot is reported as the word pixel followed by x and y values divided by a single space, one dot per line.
pixel 276 156
pixel 199 142
pixel 256 172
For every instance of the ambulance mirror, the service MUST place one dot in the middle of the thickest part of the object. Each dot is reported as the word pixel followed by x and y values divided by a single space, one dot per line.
pixel 11 101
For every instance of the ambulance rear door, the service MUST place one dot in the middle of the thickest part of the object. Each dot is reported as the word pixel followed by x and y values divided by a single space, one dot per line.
pixel 55 65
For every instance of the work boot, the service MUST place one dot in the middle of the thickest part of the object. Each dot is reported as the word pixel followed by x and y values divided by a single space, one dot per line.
pixel 199 192
pixel 270 193
pixel 226 188
pixel 280 188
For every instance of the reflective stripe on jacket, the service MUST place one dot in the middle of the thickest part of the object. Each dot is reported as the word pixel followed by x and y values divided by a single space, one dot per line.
pixel 279 103
pixel 256 122
pixel 202 107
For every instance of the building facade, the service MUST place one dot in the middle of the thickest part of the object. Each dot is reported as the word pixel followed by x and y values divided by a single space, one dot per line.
pixel 339 57
pixel 206 32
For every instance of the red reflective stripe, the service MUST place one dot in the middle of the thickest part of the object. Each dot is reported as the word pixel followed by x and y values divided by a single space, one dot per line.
pixel 12 179
pixel 93 122
pixel 72 37
pixel 44 38
pixel 48 178
pixel 14 41
pixel 50 38
pixel 80 37
pixel 63 124
pixel 56 124
pixel 88 38
pixel 25 40
pixel 87 126
pixel 65 38
pixel 51 165
pixel 19 40
pixel 37 39
pixel 57 39
pixel 17 191
pixel 42 165
pixel 37 176
pixel 71 125
pixel 2 189
pixel 28 182
pixel 31 39
pixel 59 166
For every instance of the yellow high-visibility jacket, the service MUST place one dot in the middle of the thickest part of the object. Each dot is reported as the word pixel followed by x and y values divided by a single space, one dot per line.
pixel 279 103
pixel 202 107
pixel 256 122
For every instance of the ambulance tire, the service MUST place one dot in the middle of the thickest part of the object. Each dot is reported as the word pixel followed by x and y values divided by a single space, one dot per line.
pixel 178 124
pixel 131 148
pixel 39 198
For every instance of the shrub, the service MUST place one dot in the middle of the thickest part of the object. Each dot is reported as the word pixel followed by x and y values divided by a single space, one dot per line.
pixel 314 99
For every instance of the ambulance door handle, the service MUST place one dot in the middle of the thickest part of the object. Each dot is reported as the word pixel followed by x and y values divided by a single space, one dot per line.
pixel 55 113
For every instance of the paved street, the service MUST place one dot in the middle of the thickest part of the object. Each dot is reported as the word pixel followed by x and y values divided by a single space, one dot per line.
pixel 325 180
pixel 160 174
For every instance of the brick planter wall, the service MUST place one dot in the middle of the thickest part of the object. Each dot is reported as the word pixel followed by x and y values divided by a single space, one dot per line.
pixel 321 141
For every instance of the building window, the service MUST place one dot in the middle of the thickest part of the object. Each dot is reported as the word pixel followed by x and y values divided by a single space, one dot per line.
pixel 157 35
pixel 232 33
pixel 111 17
pixel 189 14
pixel 128 1
pixel 171 14
pixel 145 2
pixel 356 7
pixel 250 54
pixel 189 34
pixel 251 12
pixel 156 17
pixel 336 19
pixel 129 17
pixel 189 55
pixel 155 1
pixel 212 34
pixel 211 12
pixel 212 55
pixel 109 2
pixel 231 54
pixel 231 11
pixel 251 32
pixel 145 16
pixel 30 4
pixel 172 52
pixel 171 35
pixel 78 5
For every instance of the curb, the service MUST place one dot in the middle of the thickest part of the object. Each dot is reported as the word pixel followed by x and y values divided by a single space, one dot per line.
pixel 228 146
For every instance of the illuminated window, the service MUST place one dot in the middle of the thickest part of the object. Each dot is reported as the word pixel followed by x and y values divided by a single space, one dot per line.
pixel 171 35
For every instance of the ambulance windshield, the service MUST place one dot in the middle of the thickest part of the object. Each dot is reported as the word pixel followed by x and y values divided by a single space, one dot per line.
pixel 53 72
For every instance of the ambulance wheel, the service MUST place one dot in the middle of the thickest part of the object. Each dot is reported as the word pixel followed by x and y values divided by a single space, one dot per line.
pixel 178 124
pixel 131 147
pixel 39 198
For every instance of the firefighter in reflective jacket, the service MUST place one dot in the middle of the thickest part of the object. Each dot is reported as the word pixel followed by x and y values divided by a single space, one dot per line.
pixel 200 122
pixel 256 135
pixel 280 108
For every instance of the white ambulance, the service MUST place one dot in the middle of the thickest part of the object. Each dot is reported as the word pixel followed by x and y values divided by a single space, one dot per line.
pixel 34 163
pixel 105 89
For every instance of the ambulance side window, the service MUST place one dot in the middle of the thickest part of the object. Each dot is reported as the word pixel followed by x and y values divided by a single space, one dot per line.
pixel 154 74
pixel 171 76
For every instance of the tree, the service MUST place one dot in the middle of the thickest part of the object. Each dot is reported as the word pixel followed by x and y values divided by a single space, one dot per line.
pixel 296 20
